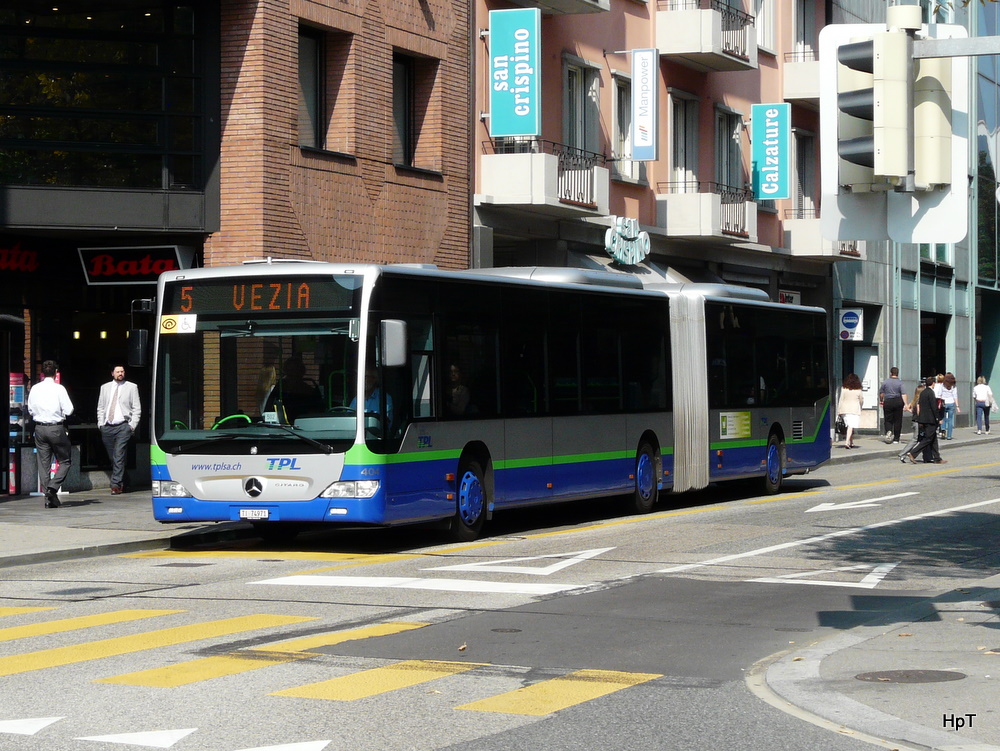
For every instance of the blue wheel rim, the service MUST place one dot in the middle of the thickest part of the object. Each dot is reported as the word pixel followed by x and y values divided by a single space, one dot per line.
pixel 773 464
pixel 644 476
pixel 470 498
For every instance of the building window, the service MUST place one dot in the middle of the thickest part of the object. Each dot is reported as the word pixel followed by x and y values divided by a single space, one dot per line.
pixel 684 141
pixel 112 95
pixel 764 23
pixel 403 136
pixel 415 110
pixel 728 154
pixel 325 110
pixel 581 105
pixel 622 146
pixel 312 109
pixel 936 252
pixel 805 175
pixel 804 29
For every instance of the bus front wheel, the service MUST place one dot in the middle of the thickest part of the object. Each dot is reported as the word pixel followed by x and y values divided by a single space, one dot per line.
pixel 471 500
pixel 774 470
pixel 646 484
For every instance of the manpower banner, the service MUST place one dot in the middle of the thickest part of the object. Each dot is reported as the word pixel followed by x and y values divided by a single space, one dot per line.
pixel 771 127
pixel 645 104
pixel 515 77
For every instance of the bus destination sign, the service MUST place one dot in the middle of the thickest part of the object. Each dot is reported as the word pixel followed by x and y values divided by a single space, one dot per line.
pixel 260 296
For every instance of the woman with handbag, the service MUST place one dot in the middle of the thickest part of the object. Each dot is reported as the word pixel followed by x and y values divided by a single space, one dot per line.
pixel 849 406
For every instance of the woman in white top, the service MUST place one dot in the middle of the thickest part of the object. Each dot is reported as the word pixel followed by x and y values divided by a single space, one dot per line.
pixel 949 396
pixel 983 396
pixel 849 406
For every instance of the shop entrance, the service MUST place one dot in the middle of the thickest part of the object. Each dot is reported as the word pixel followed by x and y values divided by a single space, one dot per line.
pixel 933 343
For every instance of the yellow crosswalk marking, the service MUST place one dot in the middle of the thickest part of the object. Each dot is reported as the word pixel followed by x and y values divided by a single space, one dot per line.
pixel 204 669
pixel 559 693
pixel 21 611
pixel 207 668
pixel 378 681
pixel 85 621
pixel 48 658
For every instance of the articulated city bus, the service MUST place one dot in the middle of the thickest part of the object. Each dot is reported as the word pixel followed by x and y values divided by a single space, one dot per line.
pixel 293 393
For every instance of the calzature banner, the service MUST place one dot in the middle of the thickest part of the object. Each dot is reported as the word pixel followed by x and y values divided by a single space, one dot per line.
pixel 515 77
pixel 645 104
pixel 772 151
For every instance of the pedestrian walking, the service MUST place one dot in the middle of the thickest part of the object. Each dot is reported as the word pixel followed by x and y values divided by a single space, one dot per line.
pixel 892 397
pixel 911 406
pixel 49 405
pixel 929 420
pixel 118 412
pixel 949 399
pixel 982 394
pixel 849 406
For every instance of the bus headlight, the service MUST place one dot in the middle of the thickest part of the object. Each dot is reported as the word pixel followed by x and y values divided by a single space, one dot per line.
pixel 169 489
pixel 351 489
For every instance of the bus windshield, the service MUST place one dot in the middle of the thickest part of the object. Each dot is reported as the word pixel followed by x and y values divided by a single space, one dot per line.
pixel 228 373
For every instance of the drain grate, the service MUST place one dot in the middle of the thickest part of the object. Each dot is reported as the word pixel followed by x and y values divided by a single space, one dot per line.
pixel 911 676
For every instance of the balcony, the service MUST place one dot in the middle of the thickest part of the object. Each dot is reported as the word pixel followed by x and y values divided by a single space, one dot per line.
pixel 706 35
pixel 801 79
pixel 563 7
pixel 543 177
pixel 803 239
pixel 693 209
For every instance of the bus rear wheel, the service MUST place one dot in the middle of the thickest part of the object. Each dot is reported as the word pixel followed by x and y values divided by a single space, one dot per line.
pixel 470 514
pixel 775 465
pixel 646 491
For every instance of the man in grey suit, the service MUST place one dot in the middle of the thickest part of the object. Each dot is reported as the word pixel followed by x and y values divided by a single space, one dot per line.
pixel 118 412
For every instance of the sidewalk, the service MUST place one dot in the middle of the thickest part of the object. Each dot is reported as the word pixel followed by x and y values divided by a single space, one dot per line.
pixel 925 677
pixel 91 523
pixel 901 704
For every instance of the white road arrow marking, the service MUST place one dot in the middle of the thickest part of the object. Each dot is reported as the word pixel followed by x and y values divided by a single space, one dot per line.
pixel 155 738
pixel 870 503
pixel 503 567
pixel 821 538
pixel 307 746
pixel 872 580
pixel 27 727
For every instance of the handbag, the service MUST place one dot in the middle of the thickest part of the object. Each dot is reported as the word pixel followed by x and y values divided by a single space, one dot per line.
pixel 840 426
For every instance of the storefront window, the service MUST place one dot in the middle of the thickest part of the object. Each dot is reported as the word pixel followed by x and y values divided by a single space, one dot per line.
pixel 100 94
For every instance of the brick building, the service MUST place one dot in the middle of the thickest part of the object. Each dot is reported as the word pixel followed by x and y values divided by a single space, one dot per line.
pixel 139 136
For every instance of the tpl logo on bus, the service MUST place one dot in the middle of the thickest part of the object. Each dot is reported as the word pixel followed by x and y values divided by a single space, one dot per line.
pixel 282 464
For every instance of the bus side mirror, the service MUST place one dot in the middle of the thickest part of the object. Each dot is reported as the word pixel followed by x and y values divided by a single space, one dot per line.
pixel 138 348
pixel 393 337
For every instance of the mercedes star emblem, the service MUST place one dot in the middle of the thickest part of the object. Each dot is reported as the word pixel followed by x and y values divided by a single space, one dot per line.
pixel 253 487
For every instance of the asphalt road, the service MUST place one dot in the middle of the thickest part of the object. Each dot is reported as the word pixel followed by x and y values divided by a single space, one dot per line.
pixel 567 628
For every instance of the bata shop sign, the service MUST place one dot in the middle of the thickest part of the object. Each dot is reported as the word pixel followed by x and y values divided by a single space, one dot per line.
pixel 130 265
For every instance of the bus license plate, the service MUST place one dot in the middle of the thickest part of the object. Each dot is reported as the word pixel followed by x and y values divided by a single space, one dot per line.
pixel 254 513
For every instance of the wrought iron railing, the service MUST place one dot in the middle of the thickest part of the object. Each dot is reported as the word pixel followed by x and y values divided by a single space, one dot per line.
pixel 733 200
pixel 737 25
pixel 576 179
pixel 801 213
pixel 802 56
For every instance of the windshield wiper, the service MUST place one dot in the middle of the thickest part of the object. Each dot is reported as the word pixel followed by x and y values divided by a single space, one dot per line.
pixel 311 441
pixel 203 442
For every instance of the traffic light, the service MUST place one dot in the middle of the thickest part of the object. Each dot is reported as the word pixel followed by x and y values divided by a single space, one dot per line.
pixel 932 157
pixel 875 111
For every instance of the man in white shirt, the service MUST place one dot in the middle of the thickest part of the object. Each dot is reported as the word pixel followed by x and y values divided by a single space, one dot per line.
pixel 49 405
pixel 118 412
